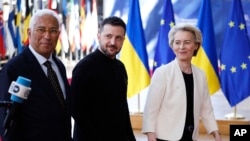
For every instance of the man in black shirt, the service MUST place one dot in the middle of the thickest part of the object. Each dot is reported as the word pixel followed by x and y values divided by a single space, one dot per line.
pixel 99 86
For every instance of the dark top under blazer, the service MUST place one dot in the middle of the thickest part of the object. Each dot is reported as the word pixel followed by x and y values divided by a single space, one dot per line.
pixel 41 117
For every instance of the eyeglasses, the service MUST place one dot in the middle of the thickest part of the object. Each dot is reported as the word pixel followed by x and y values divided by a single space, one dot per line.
pixel 42 31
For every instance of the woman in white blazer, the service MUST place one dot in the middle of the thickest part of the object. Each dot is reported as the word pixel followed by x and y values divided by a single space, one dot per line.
pixel 178 95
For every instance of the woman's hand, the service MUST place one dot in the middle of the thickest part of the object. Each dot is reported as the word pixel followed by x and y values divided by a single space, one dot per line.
pixel 217 136
pixel 151 136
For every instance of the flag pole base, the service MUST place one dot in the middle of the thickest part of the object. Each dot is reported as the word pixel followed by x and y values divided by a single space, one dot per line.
pixel 234 116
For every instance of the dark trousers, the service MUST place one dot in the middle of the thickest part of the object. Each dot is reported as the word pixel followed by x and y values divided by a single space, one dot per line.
pixel 187 136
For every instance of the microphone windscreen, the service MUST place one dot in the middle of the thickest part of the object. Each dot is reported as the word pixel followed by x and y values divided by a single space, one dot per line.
pixel 17 87
pixel 24 81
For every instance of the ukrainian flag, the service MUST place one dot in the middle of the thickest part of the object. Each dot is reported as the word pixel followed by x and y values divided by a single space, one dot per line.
pixel 134 53
pixel 206 58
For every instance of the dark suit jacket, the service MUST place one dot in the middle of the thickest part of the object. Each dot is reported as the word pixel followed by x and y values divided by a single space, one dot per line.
pixel 41 118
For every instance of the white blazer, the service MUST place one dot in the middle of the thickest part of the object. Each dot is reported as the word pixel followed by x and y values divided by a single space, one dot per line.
pixel 165 108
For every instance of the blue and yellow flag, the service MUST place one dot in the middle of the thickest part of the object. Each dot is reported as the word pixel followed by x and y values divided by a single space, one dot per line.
pixel 163 53
pixel 235 57
pixel 134 53
pixel 18 27
pixel 206 58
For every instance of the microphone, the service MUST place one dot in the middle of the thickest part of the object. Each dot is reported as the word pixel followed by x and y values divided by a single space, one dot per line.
pixel 19 91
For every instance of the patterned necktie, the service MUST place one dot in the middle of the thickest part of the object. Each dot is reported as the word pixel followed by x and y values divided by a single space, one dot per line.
pixel 55 83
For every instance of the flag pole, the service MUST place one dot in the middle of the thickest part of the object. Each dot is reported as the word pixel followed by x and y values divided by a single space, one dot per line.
pixel 234 115
pixel 139 103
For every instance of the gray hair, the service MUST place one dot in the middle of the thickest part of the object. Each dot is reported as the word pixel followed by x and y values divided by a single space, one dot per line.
pixel 43 12
pixel 185 27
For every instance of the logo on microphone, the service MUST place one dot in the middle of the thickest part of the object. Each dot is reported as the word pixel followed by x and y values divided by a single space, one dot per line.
pixel 16 88
pixel 26 94
pixel 19 90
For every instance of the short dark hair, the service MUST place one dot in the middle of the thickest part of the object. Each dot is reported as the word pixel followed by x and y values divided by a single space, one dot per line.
pixel 114 21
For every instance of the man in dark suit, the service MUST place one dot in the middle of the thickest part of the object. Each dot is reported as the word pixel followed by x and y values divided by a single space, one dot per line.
pixel 42 117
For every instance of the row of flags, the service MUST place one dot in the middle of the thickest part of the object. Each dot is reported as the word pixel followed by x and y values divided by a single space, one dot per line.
pixel 13 36
pixel 80 25
pixel 231 74
pixel 78 29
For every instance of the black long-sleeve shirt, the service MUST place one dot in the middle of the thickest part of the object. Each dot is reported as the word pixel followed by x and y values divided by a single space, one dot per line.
pixel 99 86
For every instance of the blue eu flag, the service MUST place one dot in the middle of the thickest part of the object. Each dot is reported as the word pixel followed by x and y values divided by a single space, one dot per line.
pixel 235 57
pixel 163 53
